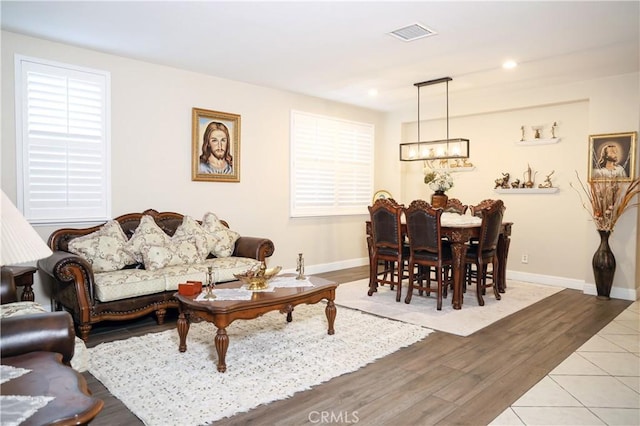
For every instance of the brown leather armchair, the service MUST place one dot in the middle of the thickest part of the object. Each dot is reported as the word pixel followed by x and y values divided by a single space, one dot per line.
pixel 49 332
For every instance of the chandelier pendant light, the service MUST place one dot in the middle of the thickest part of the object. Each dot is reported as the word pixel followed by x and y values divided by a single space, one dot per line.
pixel 441 149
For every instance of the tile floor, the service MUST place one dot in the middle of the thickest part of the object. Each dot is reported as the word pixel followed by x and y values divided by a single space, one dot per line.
pixel 599 384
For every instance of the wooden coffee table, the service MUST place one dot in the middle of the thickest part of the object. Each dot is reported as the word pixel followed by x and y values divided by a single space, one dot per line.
pixel 223 313
pixel 72 403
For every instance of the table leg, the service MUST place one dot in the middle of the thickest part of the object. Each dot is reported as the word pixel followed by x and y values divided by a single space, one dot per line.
pixel 330 311
pixel 183 329
pixel 459 253
pixel 222 343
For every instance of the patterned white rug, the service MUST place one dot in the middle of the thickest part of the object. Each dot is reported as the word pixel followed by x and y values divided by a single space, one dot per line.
pixel 422 310
pixel 268 359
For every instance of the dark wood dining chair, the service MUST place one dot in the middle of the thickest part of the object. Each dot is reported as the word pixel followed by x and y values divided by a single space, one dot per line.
pixel 387 245
pixel 427 250
pixel 476 210
pixel 455 206
pixel 484 252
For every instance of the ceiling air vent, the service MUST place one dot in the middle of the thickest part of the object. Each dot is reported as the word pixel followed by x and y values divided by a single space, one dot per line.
pixel 412 32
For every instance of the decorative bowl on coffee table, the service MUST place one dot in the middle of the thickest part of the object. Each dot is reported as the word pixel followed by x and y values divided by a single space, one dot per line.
pixel 258 280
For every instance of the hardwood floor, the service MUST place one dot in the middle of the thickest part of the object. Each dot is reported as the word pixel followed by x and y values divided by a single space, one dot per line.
pixel 442 380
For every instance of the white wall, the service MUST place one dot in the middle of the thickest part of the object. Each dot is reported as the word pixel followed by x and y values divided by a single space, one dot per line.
pixel 151 152
pixel 151 148
pixel 552 229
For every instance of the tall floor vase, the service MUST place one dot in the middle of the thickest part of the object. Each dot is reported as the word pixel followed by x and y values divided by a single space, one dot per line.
pixel 604 266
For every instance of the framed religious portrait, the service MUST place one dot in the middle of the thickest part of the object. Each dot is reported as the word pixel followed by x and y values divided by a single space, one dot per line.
pixel 612 156
pixel 215 146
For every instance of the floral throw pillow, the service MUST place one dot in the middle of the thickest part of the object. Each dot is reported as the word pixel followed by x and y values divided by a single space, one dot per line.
pixel 103 249
pixel 173 253
pixel 148 233
pixel 226 238
pixel 191 229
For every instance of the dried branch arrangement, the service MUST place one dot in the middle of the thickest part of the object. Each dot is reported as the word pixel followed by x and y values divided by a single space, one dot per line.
pixel 608 199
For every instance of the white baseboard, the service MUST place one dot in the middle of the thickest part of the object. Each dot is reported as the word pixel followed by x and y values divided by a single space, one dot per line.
pixel 333 266
pixel 585 287
pixel 551 280
pixel 546 280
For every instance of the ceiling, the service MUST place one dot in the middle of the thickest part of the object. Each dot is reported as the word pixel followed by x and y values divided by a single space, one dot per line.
pixel 342 50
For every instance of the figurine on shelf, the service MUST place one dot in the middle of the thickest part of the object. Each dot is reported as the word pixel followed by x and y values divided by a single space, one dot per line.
pixel 522 131
pixel 547 181
pixel 529 177
pixel 466 163
pixel 515 184
pixel 536 130
pixel 502 182
pixel 553 131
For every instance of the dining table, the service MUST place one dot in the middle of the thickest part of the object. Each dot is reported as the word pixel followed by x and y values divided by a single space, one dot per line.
pixel 459 230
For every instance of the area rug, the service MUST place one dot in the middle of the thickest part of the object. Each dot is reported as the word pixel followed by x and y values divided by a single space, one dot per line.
pixel 422 310
pixel 268 359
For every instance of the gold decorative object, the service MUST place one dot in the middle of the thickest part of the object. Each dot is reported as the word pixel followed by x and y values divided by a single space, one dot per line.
pixel 529 177
pixel 258 280
pixel 547 181
pixel 502 182
pixel 537 130
pixel 210 284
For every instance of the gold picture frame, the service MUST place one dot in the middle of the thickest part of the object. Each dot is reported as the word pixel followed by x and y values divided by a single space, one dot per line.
pixel 218 159
pixel 612 155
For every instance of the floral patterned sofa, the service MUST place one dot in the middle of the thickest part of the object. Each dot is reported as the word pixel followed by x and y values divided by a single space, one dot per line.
pixel 132 265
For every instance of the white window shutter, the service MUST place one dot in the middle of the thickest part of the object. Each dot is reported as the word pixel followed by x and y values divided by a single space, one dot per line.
pixel 331 165
pixel 62 115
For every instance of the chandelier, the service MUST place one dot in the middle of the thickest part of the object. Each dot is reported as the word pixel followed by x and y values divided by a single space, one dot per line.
pixel 435 149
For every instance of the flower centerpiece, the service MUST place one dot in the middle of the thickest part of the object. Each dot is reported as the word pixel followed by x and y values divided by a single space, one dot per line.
pixel 438 181
pixel 607 200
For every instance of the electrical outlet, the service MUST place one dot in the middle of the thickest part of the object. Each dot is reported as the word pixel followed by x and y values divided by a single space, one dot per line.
pixel 525 258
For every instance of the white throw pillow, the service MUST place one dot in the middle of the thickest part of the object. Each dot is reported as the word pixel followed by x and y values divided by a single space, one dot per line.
pixel 189 229
pixel 226 243
pixel 104 249
pixel 147 234
pixel 173 253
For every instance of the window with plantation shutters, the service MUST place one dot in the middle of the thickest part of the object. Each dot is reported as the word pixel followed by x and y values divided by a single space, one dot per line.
pixel 331 165
pixel 62 129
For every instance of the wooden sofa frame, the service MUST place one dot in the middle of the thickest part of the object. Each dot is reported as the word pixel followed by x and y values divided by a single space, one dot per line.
pixel 71 278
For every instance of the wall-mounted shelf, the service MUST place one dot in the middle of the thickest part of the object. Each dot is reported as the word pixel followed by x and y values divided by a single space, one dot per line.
pixel 526 190
pixel 455 169
pixel 530 142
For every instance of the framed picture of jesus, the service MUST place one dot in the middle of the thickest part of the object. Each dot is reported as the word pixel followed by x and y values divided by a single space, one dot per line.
pixel 215 146
pixel 612 156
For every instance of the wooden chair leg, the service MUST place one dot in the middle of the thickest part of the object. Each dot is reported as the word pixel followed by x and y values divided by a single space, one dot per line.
pixel 479 285
pixel 439 296
pixel 410 286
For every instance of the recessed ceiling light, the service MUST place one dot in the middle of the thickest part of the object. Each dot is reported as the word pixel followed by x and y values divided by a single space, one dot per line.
pixel 373 92
pixel 509 65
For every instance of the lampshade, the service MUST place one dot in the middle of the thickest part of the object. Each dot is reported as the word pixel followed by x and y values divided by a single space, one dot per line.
pixel 436 149
pixel 20 242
